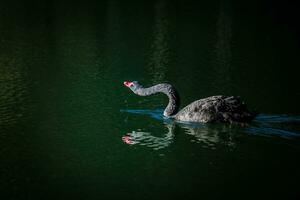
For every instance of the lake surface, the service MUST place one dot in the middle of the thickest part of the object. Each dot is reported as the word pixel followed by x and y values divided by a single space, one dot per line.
pixel 69 129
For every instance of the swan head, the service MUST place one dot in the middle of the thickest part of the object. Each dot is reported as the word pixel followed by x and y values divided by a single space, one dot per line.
pixel 134 85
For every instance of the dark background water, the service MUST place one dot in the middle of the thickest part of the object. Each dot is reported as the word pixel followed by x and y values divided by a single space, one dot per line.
pixel 69 129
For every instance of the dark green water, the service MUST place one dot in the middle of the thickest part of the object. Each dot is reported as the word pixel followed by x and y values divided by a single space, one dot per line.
pixel 70 130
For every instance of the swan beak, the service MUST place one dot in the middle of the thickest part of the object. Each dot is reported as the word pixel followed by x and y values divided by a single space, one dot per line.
pixel 128 84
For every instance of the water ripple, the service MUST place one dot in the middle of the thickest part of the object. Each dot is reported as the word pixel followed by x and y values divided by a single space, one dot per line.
pixel 276 125
pixel 14 92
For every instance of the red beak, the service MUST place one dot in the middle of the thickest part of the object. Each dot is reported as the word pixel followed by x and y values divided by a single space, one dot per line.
pixel 128 84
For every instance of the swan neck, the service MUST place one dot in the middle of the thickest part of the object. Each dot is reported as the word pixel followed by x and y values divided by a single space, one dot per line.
pixel 172 107
pixel 174 100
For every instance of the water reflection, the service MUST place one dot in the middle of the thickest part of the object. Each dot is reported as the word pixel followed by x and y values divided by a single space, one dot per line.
pixel 209 136
pixel 223 49
pixel 14 94
pixel 160 49
pixel 205 135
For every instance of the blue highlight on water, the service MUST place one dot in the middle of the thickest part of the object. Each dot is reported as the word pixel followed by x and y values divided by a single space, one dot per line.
pixel 155 114
pixel 266 125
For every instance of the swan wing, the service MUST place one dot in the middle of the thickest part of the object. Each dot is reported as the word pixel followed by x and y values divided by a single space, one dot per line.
pixel 215 109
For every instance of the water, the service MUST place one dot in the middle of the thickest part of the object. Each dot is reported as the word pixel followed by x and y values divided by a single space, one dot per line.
pixel 70 129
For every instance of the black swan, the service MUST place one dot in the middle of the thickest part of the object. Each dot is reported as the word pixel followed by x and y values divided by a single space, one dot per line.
pixel 211 109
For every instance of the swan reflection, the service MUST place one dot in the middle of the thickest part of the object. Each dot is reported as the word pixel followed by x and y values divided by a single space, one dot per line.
pixel 209 136
pixel 149 140
pixel 205 135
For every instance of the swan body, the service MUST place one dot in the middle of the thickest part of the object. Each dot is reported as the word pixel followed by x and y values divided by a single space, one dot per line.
pixel 211 109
